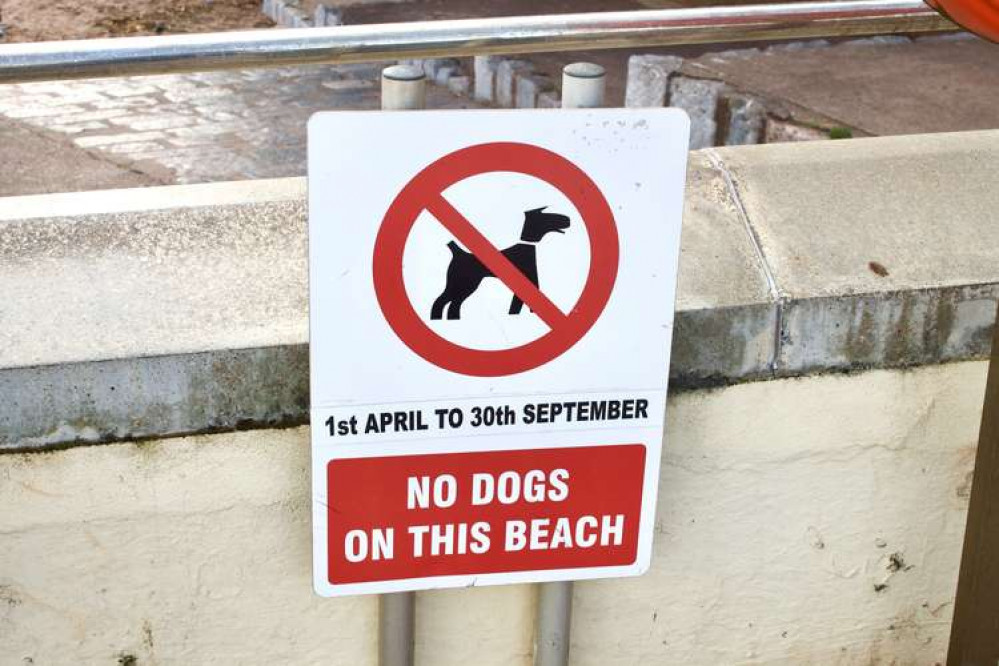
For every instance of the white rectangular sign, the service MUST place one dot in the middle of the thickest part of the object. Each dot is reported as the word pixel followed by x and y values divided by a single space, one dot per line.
pixel 491 308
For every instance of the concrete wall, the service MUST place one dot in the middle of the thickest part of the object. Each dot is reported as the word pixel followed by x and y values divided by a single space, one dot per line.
pixel 834 306
pixel 800 521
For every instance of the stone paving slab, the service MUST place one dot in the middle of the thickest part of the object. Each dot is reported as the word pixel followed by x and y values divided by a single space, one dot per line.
pixel 203 127
pixel 931 84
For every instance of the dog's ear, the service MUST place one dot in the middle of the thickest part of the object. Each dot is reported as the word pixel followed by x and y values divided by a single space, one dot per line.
pixel 535 211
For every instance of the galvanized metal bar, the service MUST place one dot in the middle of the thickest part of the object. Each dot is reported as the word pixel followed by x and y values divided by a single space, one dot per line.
pixel 582 87
pixel 396 620
pixel 551 635
pixel 371 43
pixel 404 87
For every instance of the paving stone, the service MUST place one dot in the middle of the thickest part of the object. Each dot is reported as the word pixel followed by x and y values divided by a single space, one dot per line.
pixel 198 94
pixel 529 87
pixel 549 100
pixel 129 91
pixel 325 15
pixel 920 87
pixel 136 147
pixel 42 112
pixel 459 85
pixel 744 119
pixel 76 128
pixel 210 125
pixel 485 77
pixel 126 103
pixel 506 81
pixel 108 139
pixel 444 74
pixel 648 79
pixel 152 122
pixel 699 98
pixel 102 114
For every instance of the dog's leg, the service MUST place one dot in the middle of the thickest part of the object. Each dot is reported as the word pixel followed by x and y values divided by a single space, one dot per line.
pixel 454 309
pixel 437 309
pixel 530 269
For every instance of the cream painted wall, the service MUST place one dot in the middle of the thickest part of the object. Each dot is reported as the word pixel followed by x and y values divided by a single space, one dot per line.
pixel 781 506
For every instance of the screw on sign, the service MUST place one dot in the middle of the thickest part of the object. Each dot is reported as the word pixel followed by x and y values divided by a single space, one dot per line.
pixel 978 16
pixel 515 266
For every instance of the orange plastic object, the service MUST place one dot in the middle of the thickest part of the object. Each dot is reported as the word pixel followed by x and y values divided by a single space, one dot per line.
pixel 979 16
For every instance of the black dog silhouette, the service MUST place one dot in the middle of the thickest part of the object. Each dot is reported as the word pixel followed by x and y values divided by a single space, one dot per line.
pixel 465 272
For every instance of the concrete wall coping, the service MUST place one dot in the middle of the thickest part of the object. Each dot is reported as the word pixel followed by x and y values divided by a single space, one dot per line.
pixel 153 312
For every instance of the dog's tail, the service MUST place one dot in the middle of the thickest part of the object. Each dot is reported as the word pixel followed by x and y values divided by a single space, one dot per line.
pixel 455 248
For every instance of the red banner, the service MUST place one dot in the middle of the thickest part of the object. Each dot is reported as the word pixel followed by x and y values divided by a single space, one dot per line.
pixel 398 517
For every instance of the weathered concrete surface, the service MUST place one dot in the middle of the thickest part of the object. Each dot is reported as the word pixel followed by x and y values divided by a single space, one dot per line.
pixel 883 250
pixel 188 308
pixel 181 276
pixel 184 309
pixel 929 85
pixel 800 521
pixel 726 315
pixel 186 316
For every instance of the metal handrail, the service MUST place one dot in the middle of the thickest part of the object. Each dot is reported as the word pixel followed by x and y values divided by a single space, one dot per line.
pixel 377 42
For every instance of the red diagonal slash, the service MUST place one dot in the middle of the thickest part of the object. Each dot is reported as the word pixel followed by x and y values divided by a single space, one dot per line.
pixel 494 260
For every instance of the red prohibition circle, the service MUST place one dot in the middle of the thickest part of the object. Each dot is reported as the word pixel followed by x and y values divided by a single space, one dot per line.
pixel 425 191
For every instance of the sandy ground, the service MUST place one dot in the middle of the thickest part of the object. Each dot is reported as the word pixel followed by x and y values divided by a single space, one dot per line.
pixel 40 20
pixel 35 161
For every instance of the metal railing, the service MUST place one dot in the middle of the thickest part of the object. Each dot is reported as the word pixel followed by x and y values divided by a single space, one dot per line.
pixel 391 41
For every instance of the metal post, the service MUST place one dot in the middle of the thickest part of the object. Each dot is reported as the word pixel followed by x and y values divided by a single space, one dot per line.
pixel 582 88
pixel 551 639
pixel 404 87
pixel 396 618
pixel 974 638
pixel 583 85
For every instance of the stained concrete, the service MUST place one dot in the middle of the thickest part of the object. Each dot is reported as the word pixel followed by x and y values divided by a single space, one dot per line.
pixel 175 280
pixel 781 507
pixel 726 314
pixel 884 251
pixel 183 309
pixel 188 310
